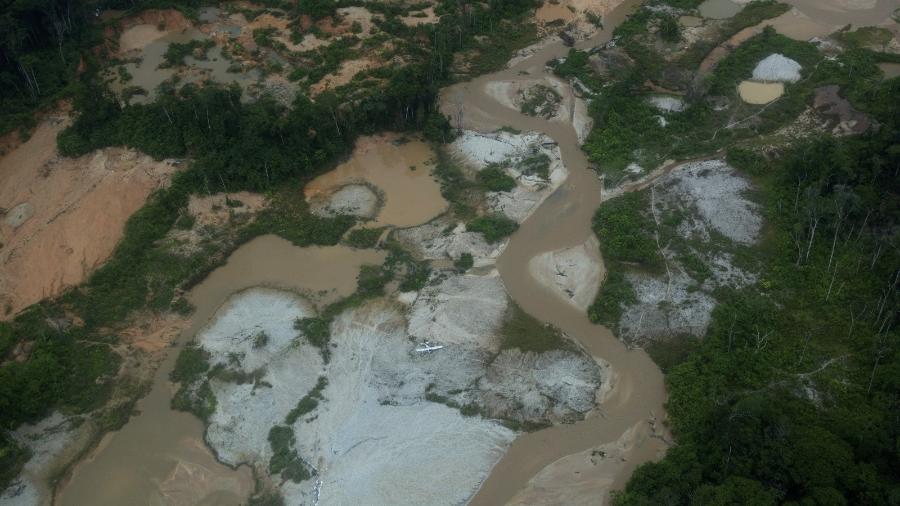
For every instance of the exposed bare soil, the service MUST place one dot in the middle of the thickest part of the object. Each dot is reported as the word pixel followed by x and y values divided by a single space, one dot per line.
pixel 78 208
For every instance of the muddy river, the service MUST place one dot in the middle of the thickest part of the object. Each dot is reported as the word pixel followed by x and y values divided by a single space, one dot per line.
pixel 563 220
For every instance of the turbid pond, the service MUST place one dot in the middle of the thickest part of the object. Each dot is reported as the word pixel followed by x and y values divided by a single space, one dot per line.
pixel 719 9
pixel 757 93
pixel 400 170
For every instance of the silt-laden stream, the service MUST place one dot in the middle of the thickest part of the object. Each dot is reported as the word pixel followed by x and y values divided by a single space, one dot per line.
pixel 563 220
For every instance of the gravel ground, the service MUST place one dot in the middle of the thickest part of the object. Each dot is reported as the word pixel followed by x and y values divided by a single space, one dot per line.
pixel 776 67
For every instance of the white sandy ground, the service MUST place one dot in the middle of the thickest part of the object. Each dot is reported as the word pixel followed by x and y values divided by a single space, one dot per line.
pixel 478 150
pixel 289 367
pixel 712 199
pixel 573 273
pixel 719 195
pixel 357 200
pixel 443 238
pixel 667 103
pixel 47 440
pixel 375 439
pixel 460 309
pixel 777 68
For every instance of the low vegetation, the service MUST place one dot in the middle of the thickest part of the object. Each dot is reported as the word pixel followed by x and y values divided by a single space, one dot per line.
pixel 614 295
pixel 629 129
pixel 524 332
pixel 285 461
pixel 493 227
pixel 494 178
pixel 308 403
pixel 626 232
pixel 540 100
pixel 364 238
pixel 535 165
pixel 789 396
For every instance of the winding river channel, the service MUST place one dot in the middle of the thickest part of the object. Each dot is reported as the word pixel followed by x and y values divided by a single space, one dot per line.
pixel 563 220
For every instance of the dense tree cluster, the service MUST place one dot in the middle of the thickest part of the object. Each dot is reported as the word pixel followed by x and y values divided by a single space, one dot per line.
pixel 793 395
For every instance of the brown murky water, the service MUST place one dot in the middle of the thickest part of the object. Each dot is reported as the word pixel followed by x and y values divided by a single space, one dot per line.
pixel 843 12
pixel 758 93
pixel 147 74
pixel 719 9
pixel 563 220
pixel 891 70
pixel 159 457
pixel 401 170
pixel 798 26
pixel 690 21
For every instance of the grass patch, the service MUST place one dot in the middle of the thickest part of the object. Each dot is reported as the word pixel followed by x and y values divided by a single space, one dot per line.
pixel 540 100
pixel 364 238
pixel 308 403
pixel 671 352
pixel 192 363
pixel 316 330
pixel 197 399
pixel 12 458
pixel 176 52
pixel 456 188
pixel 535 165
pixel 493 227
pixel 464 262
pixel 866 37
pixel 522 331
pixel 494 179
